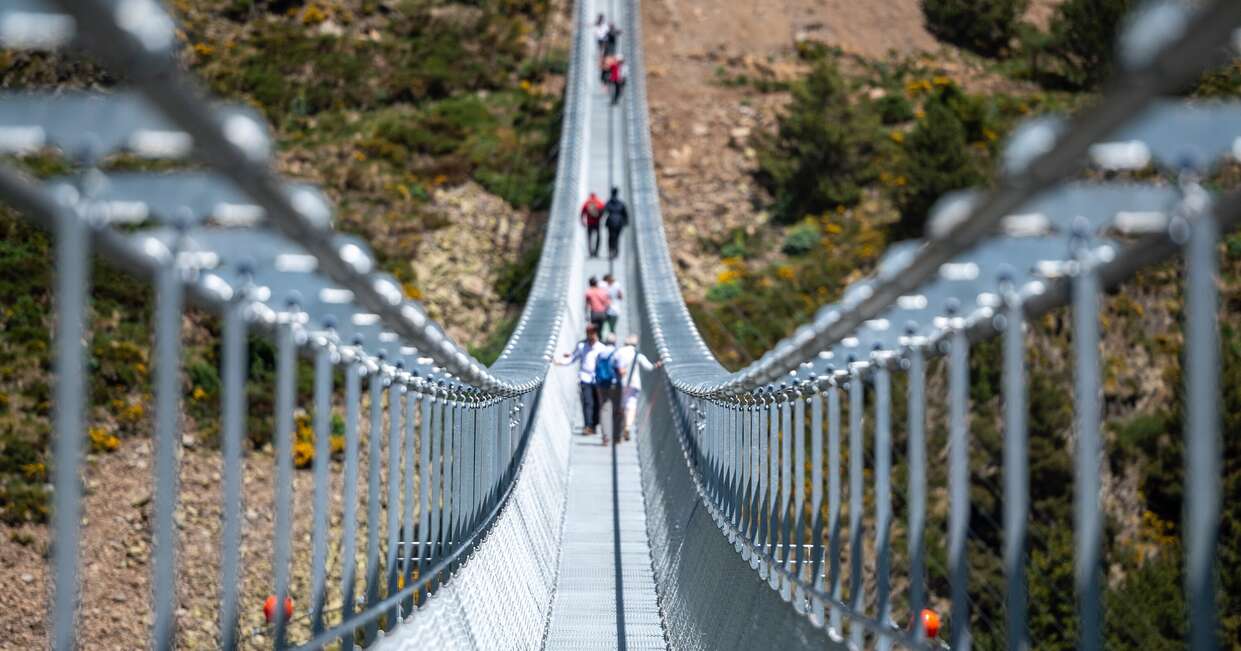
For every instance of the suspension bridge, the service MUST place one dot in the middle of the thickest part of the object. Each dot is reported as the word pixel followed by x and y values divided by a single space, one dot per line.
pixel 487 522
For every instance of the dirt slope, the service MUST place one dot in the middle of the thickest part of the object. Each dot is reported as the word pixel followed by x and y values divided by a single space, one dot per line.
pixel 700 126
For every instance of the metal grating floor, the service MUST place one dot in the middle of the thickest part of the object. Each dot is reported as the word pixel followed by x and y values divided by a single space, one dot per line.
pixel 605 527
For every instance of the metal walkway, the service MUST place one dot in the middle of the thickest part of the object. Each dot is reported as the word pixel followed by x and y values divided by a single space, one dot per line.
pixel 605 593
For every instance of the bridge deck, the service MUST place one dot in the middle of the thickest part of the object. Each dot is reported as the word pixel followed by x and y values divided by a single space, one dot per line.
pixel 605 593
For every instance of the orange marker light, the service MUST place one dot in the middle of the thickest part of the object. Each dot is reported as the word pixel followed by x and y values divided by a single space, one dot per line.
pixel 269 608
pixel 930 623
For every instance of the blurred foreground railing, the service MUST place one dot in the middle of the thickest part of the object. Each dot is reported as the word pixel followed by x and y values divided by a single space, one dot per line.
pixel 446 435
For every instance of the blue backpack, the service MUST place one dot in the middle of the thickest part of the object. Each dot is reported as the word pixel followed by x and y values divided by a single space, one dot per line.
pixel 605 370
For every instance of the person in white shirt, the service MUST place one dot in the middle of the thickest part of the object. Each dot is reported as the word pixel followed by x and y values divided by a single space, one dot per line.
pixel 631 363
pixel 586 354
pixel 601 33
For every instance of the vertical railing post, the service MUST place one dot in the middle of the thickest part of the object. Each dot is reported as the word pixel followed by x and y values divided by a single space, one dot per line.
pixel 916 452
pixel 435 536
pixel 233 421
pixel 816 498
pixel 1016 468
pixel 1202 391
pixel 786 484
pixel 396 404
pixel 773 486
pixel 857 594
pixel 835 630
pixel 413 400
pixel 753 476
pixel 799 488
pixel 883 495
pixel 425 479
pixel 349 519
pixel 452 452
pixel 1088 521
pixel 958 481
pixel 323 451
pixel 168 307
pixel 72 284
pixel 762 514
pixel 746 501
pixel 286 383
pixel 373 451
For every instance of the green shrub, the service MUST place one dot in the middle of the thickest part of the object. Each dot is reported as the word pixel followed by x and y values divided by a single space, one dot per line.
pixel 1083 34
pixel 936 161
pixel 821 154
pixel 514 280
pixel 985 26
pixel 736 246
pixel 1224 82
pixel 801 239
pixel 893 108
pixel 724 292
pixel 489 351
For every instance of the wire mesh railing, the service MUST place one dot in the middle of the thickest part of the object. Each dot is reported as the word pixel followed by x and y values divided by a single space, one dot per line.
pixel 992 261
pixel 438 456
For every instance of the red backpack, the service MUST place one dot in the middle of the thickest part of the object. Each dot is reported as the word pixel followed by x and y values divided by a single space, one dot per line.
pixel 594 210
pixel 614 72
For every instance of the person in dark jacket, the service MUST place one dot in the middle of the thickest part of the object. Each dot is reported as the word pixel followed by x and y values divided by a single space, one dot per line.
pixel 617 220
pixel 611 39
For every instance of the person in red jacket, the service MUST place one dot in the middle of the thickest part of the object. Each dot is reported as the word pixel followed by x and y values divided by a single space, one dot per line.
pixel 592 215
pixel 616 77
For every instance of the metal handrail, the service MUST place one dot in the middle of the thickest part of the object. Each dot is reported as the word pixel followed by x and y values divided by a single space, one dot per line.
pixel 736 428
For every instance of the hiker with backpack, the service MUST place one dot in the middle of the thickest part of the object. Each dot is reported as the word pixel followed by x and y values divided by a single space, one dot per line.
pixel 597 302
pixel 586 354
pixel 608 387
pixel 592 214
pixel 617 220
pixel 630 363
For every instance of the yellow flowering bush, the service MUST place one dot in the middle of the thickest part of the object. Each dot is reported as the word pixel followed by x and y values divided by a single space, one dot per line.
pixel 313 14
pixel 101 440
pixel 35 471
pixel 303 454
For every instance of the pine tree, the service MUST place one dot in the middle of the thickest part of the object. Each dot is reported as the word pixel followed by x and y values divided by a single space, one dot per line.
pixel 937 160
pixel 985 26
pixel 821 155
pixel 1084 37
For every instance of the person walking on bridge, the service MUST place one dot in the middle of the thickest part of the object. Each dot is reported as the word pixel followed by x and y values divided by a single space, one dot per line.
pixel 597 303
pixel 608 389
pixel 617 220
pixel 630 363
pixel 617 75
pixel 586 354
pixel 611 39
pixel 601 34
pixel 592 214
pixel 616 294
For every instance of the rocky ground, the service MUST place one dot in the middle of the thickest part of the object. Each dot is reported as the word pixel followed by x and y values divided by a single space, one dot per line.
pixel 460 264
pixel 116 551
